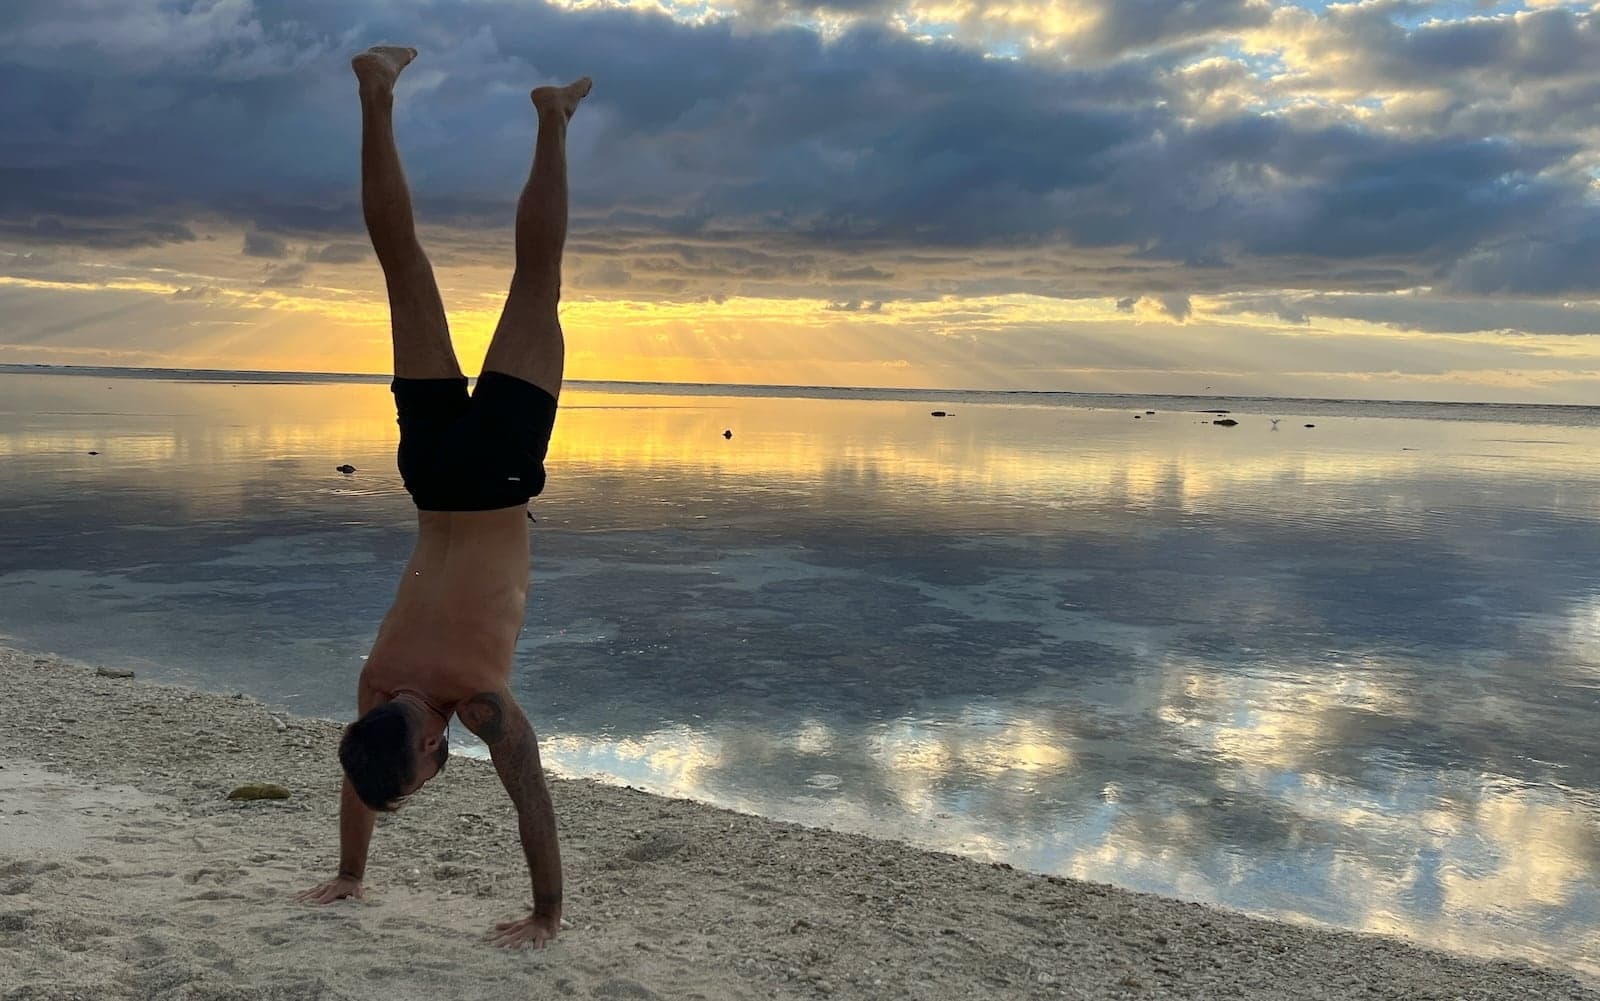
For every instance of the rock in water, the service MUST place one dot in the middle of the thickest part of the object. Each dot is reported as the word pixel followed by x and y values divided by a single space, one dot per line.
pixel 1310 425
pixel 728 433
pixel 346 469
pixel 939 413
pixel 1226 422
pixel 259 790
pixel 111 672
pixel 93 452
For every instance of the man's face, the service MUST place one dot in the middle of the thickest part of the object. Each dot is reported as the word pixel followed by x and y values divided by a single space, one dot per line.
pixel 432 753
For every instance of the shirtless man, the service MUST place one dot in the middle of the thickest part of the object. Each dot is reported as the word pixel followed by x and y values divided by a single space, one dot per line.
pixel 470 463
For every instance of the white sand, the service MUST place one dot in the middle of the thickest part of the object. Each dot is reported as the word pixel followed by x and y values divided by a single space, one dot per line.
pixel 125 873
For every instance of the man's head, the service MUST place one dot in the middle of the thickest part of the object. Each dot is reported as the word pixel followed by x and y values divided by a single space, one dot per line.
pixel 389 753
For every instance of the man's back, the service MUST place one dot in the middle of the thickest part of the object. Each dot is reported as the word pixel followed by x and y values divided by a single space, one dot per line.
pixel 459 608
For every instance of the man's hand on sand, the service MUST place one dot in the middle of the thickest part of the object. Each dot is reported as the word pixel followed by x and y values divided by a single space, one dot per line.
pixel 534 930
pixel 337 888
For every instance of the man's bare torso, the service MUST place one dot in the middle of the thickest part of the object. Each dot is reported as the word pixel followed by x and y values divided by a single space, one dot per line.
pixel 455 620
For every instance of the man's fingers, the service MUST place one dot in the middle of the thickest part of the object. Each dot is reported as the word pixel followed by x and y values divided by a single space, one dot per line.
pixel 325 895
pixel 505 936
pixel 519 933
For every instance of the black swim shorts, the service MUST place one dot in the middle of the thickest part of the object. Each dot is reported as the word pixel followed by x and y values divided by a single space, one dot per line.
pixel 477 452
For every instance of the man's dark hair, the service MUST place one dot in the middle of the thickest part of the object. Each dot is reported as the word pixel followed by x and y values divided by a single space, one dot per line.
pixel 377 757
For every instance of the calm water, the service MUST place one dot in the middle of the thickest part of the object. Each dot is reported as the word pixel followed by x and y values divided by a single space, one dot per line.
pixel 1350 673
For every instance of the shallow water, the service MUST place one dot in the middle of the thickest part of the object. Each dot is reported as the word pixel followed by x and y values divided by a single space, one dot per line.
pixel 1349 673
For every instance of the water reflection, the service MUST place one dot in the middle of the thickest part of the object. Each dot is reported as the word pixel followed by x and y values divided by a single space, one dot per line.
pixel 1348 674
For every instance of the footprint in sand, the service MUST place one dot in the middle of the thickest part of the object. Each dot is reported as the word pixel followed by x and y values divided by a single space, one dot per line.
pixel 124 839
pixel 16 921
pixel 206 949
pixel 216 895
pixel 657 847
pixel 147 945
pixel 620 988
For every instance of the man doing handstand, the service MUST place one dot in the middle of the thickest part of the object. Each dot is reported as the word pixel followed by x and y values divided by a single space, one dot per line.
pixel 470 463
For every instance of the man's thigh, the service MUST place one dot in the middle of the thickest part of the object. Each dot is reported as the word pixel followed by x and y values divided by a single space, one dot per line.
pixel 528 342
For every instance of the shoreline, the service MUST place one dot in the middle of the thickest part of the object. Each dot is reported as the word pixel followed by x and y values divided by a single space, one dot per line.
pixel 126 873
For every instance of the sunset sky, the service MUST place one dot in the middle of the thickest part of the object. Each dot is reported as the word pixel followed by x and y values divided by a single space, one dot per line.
pixel 1385 199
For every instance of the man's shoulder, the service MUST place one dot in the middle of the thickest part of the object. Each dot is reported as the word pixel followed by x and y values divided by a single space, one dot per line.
pixel 489 714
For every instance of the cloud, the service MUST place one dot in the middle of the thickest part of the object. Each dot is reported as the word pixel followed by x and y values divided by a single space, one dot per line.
pixel 608 274
pixel 863 273
pixel 1438 311
pixel 1372 43
pixel 286 275
pixel 1169 306
pixel 1116 26
pixel 1087 30
pixel 340 253
pixel 1566 262
pixel 259 244
pixel 855 306
pixel 846 152
pixel 1175 306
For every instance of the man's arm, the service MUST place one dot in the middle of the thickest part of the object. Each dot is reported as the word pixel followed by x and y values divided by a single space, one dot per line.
pixel 356 821
pixel 500 723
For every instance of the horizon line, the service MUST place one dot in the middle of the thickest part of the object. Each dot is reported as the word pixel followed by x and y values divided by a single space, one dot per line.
pixel 256 375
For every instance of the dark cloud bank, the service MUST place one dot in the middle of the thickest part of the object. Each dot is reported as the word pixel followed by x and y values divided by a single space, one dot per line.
pixel 749 156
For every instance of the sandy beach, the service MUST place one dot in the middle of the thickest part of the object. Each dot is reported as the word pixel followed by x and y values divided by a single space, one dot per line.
pixel 125 872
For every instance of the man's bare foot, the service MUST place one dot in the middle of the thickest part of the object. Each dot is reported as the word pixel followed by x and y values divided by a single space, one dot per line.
pixel 379 67
pixel 562 99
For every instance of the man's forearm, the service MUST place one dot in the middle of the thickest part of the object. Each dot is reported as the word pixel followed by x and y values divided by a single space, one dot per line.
pixel 517 760
pixel 499 721
pixel 355 833
pixel 536 824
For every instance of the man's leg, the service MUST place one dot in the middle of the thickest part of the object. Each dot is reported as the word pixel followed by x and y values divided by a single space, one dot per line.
pixel 528 343
pixel 422 348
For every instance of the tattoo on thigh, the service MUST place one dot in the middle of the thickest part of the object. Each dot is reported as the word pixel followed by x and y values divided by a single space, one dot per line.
pixel 485 715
